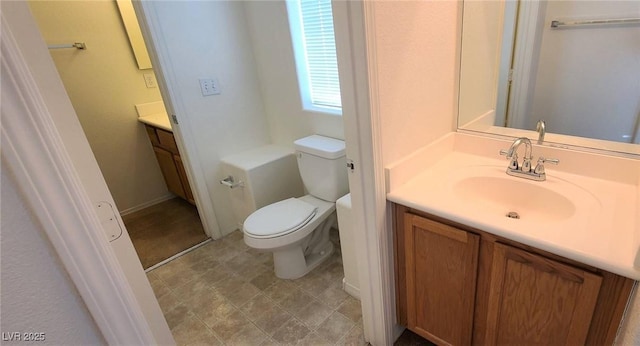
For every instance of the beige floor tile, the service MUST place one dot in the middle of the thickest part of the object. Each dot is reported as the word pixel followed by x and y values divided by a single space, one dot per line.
pixel 225 292
pixel 313 283
pixel 216 275
pixel 191 288
pixel 238 262
pixel 295 301
pixel 270 342
pixel 272 320
pixel 167 302
pixel 180 278
pixel 351 309
pixel 333 296
pixel 193 332
pixel 229 284
pixel 256 306
pixel 355 337
pixel 334 327
pixel 248 335
pixel 158 286
pixel 240 294
pixel 234 237
pixel 226 253
pixel 280 290
pixel 204 264
pixel 315 340
pixel 177 315
pixel 253 270
pixel 214 310
pixel 264 280
pixel 313 314
pixel 291 333
pixel 225 328
pixel 333 272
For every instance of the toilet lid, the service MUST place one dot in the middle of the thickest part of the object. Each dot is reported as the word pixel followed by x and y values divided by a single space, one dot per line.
pixel 279 218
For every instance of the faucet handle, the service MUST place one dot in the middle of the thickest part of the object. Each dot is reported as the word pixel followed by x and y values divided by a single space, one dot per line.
pixel 513 159
pixel 541 161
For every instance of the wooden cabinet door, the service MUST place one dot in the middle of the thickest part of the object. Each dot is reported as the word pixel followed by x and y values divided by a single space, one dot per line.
pixel 183 178
pixel 167 141
pixel 537 301
pixel 169 171
pixel 441 269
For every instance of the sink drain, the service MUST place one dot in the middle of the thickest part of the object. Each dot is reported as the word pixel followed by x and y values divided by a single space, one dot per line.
pixel 513 215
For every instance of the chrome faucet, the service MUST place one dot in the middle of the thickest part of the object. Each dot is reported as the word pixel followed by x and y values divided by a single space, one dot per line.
pixel 541 127
pixel 524 170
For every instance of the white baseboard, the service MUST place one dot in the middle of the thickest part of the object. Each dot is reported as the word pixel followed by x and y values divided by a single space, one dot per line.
pixel 147 204
pixel 351 289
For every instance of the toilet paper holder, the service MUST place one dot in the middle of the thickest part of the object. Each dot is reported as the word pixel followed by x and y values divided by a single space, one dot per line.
pixel 230 182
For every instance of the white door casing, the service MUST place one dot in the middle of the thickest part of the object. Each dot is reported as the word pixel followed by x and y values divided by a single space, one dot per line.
pixel 354 26
pixel 57 173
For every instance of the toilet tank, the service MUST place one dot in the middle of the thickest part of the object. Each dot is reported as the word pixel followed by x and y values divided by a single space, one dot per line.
pixel 323 166
pixel 268 174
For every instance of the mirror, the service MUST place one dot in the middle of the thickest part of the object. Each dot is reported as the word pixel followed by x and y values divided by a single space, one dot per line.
pixel 573 64
pixel 132 27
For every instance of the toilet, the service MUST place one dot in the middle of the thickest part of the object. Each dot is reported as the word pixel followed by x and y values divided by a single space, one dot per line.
pixel 296 230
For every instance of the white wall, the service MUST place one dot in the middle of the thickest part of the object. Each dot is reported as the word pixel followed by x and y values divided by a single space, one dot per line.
pixel 268 25
pixel 209 39
pixel 588 82
pixel 37 293
pixel 416 48
pixel 104 83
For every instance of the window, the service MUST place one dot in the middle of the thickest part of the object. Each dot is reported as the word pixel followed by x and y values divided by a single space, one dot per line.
pixel 314 45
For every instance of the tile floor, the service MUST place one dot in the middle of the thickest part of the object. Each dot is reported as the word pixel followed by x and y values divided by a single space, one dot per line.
pixel 225 293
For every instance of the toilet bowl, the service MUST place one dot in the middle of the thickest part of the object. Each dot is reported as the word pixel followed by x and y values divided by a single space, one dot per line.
pixel 296 230
pixel 295 250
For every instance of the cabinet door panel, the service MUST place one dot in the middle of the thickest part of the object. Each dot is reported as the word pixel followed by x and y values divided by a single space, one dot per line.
pixel 167 141
pixel 153 137
pixel 537 301
pixel 169 171
pixel 183 178
pixel 441 265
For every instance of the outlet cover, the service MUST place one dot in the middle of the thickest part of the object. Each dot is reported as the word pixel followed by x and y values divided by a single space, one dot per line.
pixel 209 86
pixel 150 80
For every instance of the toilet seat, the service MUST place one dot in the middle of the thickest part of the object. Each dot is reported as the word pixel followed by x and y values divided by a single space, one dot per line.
pixel 280 218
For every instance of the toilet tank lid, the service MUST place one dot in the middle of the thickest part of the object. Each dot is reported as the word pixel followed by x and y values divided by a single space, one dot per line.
pixel 329 148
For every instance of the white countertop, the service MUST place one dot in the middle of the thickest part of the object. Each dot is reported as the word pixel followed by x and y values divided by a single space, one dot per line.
pixel 160 120
pixel 604 232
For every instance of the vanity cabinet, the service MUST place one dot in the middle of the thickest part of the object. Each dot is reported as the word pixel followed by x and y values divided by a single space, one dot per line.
pixel 166 150
pixel 441 271
pixel 459 286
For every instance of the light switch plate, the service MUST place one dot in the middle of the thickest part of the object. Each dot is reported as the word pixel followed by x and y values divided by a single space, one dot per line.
pixel 209 86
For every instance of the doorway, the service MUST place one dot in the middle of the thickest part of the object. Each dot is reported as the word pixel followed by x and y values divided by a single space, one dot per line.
pixel 104 84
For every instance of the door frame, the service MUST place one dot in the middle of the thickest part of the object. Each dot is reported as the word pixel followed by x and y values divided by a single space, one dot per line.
pixel 354 25
pixel 525 61
pixel 183 133
pixel 61 183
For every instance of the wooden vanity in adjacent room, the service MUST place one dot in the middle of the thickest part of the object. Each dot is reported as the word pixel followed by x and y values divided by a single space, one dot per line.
pixel 459 285
pixel 166 150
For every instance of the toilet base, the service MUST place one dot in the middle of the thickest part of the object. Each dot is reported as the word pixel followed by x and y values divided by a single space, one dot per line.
pixel 292 264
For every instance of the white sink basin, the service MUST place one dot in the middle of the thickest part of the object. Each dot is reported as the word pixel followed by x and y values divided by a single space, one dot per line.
pixel 507 195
